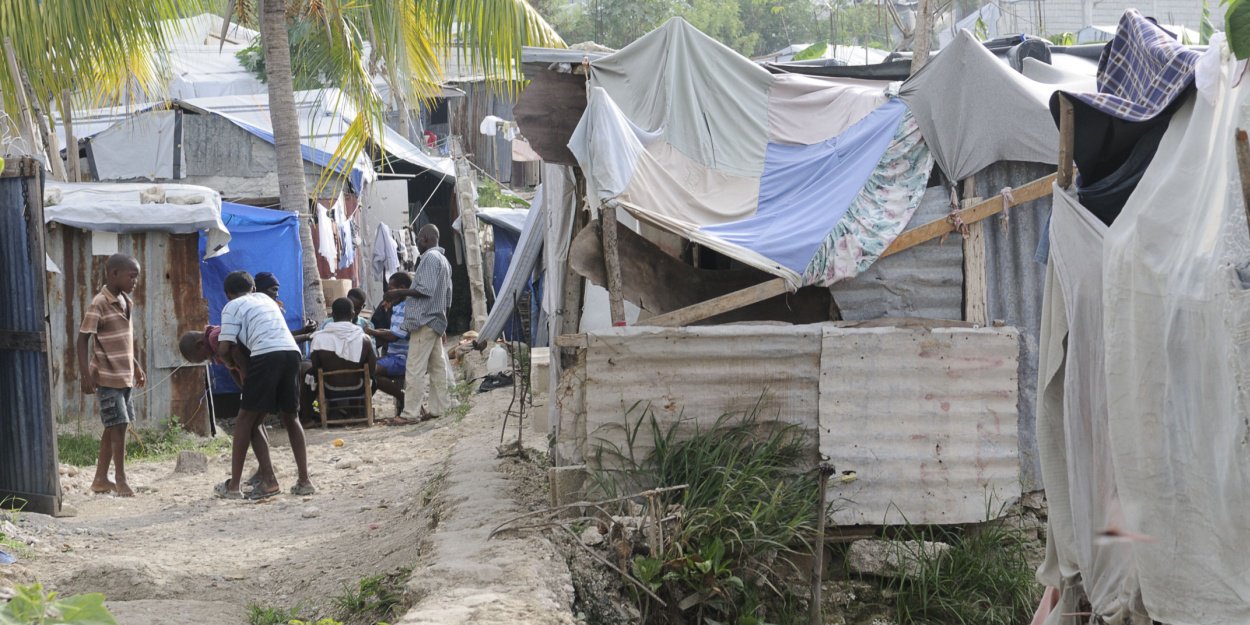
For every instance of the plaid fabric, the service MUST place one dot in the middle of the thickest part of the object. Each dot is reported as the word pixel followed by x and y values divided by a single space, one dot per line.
pixel 1141 72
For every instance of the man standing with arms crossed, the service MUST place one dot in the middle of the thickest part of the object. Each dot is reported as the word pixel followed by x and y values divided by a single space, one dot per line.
pixel 425 319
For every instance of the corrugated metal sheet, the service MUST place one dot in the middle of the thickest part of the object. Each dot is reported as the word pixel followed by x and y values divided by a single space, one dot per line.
pixel 698 374
pixel 927 418
pixel 28 455
pixel 925 281
pixel 168 302
pixel 1016 283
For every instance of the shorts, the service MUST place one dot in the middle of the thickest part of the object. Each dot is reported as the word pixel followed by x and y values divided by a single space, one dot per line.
pixel 115 406
pixel 392 365
pixel 272 383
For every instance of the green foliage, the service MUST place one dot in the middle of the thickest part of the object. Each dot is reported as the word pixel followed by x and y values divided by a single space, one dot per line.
pixel 267 615
pixel 1063 39
pixel 307 44
pixel 981 31
pixel 746 509
pixel 983 579
pixel 155 444
pixel 32 606
pixel 815 51
pixel 376 596
pixel 489 193
pixel 10 510
pixel 1237 27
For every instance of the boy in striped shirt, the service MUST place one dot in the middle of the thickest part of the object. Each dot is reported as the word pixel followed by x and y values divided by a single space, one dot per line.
pixel 108 368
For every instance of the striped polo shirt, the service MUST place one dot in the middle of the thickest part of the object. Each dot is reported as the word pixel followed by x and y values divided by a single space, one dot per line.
pixel 432 280
pixel 255 322
pixel 113 350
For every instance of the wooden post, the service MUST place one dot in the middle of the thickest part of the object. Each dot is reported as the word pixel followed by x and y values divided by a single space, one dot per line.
pixel 468 227
pixel 1243 168
pixel 27 125
pixel 815 610
pixel 612 262
pixel 71 142
pixel 976 290
pixel 920 37
pixel 1067 133
pixel 47 137
pixel 571 302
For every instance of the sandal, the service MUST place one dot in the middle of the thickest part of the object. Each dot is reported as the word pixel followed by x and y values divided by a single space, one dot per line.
pixel 303 489
pixel 258 494
pixel 222 491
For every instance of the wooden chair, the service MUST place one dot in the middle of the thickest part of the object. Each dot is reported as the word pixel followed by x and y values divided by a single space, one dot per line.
pixel 359 398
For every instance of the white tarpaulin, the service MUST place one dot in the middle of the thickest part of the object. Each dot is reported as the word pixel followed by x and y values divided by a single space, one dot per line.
pixel 1165 342
pixel 141 146
pixel 116 207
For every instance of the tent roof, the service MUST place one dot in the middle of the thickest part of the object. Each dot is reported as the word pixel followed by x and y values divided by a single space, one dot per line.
pixel 117 207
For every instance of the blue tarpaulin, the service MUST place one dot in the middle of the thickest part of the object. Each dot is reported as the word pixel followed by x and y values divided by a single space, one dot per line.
pixel 506 242
pixel 261 240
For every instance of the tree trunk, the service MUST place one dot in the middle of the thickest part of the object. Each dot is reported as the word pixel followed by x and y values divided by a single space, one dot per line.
pixel 290 162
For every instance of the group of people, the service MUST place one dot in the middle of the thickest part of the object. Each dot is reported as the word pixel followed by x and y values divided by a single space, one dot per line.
pixel 264 357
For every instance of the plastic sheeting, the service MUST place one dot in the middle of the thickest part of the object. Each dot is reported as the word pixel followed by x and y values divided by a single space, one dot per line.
pixel 974 111
pixel 1176 346
pixel 116 207
pixel 140 147
pixel 520 271
pixel 264 240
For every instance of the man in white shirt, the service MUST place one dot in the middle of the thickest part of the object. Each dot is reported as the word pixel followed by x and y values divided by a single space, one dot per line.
pixel 270 384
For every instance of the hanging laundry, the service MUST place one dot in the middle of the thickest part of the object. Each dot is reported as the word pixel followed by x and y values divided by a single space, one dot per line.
pixel 385 260
pixel 325 238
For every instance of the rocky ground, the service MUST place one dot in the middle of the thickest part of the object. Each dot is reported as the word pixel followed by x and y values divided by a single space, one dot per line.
pixel 389 499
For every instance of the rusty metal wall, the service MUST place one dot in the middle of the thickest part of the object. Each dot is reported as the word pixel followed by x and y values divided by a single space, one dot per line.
pixel 168 302
pixel 927 418
pixel 492 154
pixel 28 454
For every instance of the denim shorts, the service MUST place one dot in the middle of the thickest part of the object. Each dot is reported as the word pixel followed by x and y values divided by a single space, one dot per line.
pixel 392 365
pixel 115 406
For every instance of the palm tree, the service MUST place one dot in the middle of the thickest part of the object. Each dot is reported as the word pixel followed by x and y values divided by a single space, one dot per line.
pixel 99 49
pixel 405 38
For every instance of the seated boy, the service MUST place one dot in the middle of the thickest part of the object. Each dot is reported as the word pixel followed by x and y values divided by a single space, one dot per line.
pixel 342 345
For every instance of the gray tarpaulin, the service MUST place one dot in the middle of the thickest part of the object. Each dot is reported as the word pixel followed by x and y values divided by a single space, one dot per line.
pixel 973 111
pixel 679 81
pixel 524 261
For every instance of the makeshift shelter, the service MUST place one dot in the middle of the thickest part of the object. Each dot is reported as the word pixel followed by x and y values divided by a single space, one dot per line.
pixel 732 187
pixel 261 240
pixel 88 222
pixel 1142 375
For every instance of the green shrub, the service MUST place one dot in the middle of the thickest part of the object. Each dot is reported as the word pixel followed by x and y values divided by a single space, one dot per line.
pixel 32 606
pixel 747 510
pixel 160 443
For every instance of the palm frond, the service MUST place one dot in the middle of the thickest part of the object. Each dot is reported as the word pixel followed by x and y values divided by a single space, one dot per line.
pixel 489 34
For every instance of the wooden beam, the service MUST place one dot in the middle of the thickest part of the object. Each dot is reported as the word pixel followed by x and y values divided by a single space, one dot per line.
pixel 720 305
pixel 612 263
pixel 468 228
pixel 74 172
pixel 1067 137
pixel 572 340
pixel 1037 189
pixel 47 137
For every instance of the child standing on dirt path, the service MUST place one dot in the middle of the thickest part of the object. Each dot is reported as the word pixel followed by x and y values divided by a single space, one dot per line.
pixel 108 368
pixel 270 384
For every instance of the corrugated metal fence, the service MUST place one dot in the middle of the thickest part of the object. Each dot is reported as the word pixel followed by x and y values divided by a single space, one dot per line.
pixel 28 457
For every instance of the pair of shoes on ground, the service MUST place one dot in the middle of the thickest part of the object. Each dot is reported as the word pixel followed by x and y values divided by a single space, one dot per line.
pixel 223 491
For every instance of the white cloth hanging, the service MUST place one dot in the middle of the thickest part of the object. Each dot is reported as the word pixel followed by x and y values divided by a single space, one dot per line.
pixel 325 238
pixel 385 259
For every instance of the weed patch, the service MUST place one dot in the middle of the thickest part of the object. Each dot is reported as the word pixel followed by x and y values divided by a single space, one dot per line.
pixel 746 511
pixel 373 598
pixel 268 615
pixel 31 605
pixel 153 444
pixel 984 578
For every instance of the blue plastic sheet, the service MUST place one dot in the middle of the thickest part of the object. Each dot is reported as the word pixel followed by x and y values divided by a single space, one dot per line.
pixel 806 189
pixel 261 240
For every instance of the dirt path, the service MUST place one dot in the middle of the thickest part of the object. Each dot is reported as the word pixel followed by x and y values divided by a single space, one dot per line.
pixel 175 554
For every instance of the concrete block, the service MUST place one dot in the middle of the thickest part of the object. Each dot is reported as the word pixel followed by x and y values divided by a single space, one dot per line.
pixel 568 483
pixel 540 376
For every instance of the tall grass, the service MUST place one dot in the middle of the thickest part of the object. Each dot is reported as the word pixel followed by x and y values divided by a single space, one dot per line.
pixel 748 508
pixel 983 579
